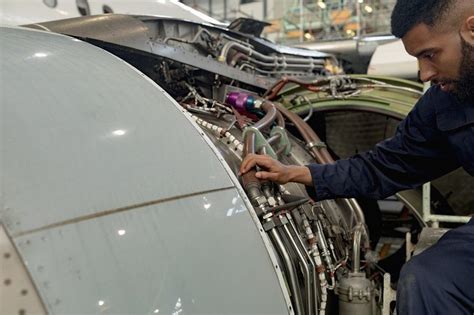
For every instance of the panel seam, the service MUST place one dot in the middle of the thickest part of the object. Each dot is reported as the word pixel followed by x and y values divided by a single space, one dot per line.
pixel 117 210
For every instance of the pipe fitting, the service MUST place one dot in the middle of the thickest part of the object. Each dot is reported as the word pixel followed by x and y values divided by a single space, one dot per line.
pixel 242 102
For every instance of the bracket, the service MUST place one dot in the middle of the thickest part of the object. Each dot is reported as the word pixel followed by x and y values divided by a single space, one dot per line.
pixel 283 142
pixel 260 141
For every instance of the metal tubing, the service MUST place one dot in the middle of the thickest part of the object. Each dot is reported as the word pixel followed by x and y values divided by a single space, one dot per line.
pixel 271 59
pixel 354 205
pixel 448 218
pixel 313 86
pixel 343 261
pixel 249 144
pixel 322 156
pixel 250 183
pixel 269 118
pixel 279 72
pixel 326 253
pixel 280 120
pixel 306 271
pixel 280 151
pixel 290 269
pixel 192 41
pixel 274 138
pixel 356 249
pixel 317 260
pixel 310 259
pixel 426 201
pixel 282 66
pixel 390 86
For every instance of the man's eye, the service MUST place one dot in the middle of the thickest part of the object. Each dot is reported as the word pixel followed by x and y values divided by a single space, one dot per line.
pixel 428 55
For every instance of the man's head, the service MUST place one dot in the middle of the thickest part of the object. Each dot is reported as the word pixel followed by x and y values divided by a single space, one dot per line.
pixel 440 33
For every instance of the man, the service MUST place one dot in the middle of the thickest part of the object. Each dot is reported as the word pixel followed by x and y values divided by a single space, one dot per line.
pixel 435 138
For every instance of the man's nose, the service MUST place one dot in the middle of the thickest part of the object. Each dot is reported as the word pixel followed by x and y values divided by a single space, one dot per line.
pixel 427 72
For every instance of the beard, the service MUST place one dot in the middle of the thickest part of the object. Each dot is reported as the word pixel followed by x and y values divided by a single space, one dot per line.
pixel 465 85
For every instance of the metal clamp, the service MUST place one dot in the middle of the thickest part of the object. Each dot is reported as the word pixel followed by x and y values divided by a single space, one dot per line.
pixel 283 142
pixel 318 145
pixel 260 141
pixel 274 222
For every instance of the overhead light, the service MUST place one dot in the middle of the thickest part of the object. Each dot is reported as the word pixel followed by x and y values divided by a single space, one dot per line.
pixel 368 8
pixel 361 1
pixel 322 5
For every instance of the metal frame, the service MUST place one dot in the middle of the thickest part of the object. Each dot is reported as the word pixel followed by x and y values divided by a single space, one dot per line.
pixel 434 219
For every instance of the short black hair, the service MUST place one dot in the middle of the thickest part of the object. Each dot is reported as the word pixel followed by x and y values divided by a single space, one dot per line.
pixel 408 13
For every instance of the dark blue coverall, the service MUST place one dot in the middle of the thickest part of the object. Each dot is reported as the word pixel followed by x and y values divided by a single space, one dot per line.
pixel 435 138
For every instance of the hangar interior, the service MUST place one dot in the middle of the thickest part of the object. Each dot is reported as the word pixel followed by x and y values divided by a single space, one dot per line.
pixel 297 21
pixel 124 125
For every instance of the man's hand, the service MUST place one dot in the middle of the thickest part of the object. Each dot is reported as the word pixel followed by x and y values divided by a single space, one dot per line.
pixel 275 171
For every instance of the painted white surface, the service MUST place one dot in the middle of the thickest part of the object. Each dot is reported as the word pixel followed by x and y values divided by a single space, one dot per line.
pixel 19 12
pixel 16 286
pixel 196 255
pixel 89 150
pixel 392 60
pixel 70 112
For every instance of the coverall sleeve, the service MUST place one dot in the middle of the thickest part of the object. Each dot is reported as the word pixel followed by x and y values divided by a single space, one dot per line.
pixel 417 153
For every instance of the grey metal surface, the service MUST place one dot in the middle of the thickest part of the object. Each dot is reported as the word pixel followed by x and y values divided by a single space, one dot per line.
pixel 16 12
pixel 428 237
pixel 293 50
pixel 131 32
pixel 111 122
pixel 335 214
pixel 458 187
pixel 356 295
pixel 209 64
pixel 196 45
pixel 195 255
pixel 17 292
pixel 114 199
pixel 113 28
pixel 174 9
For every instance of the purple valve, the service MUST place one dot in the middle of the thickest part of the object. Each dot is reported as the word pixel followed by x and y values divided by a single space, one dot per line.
pixel 241 101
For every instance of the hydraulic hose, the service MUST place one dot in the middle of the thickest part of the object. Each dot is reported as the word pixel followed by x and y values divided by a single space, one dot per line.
pixel 269 118
pixel 321 154
pixel 280 120
pixel 251 183
pixel 273 92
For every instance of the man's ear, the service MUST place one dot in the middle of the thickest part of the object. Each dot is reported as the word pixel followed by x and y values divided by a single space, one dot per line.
pixel 467 30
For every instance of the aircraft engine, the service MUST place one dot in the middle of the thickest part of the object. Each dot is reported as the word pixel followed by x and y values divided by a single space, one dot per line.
pixel 152 217
pixel 221 77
